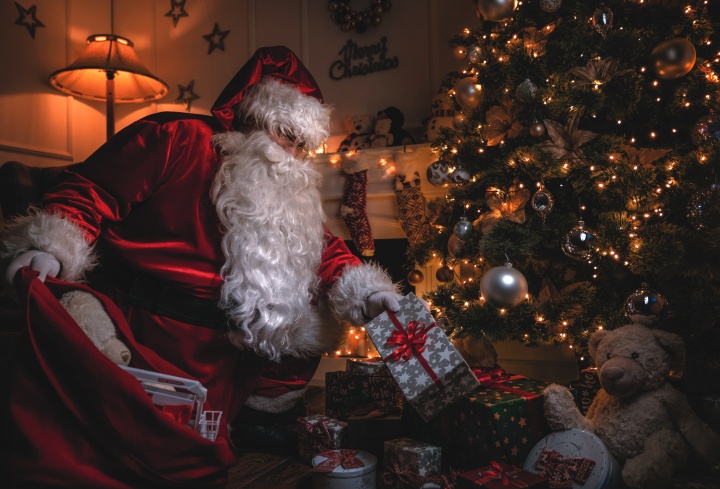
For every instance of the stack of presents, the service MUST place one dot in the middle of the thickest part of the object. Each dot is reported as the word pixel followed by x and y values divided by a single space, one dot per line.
pixel 420 417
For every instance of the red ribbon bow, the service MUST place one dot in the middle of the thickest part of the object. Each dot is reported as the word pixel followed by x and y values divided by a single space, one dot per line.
pixel 396 478
pixel 345 458
pixel 320 430
pixel 506 475
pixel 562 471
pixel 411 342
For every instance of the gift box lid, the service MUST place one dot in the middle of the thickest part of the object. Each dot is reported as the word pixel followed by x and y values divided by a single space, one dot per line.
pixel 581 444
pixel 360 463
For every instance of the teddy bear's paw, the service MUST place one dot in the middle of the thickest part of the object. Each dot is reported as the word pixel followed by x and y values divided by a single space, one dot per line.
pixel 638 473
pixel 561 412
pixel 117 352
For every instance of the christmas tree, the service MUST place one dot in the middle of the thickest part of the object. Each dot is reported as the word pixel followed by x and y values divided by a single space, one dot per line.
pixel 582 161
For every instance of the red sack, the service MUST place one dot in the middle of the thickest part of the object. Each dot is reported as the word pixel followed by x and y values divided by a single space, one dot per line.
pixel 72 418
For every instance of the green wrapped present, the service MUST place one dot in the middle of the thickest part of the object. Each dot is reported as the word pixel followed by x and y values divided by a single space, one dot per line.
pixel 501 421
pixel 586 388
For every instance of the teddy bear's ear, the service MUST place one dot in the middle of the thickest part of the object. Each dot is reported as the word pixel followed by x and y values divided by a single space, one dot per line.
pixel 673 345
pixel 595 340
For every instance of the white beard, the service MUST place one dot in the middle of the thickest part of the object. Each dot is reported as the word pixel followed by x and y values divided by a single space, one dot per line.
pixel 270 208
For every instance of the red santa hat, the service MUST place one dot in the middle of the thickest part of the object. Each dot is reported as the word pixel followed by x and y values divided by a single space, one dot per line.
pixel 274 90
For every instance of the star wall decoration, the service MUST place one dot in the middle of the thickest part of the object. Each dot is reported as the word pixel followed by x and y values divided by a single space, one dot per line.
pixel 28 18
pixel 216 38
pixel 177 10
pixel 186 95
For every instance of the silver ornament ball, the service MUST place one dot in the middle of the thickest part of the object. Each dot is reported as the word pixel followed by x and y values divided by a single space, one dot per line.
pixel 496 10
pixel 645 306
pixel 468 92
pixel 504 286
pixel 550 6
pixel 673 58
pixel 460 175
pixel 579 243
pixel 463 229
pixel 525 92
pixel 438 173
pixel 542 202
pixel 703 209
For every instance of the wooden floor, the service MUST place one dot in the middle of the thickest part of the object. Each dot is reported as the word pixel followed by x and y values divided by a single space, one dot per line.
pixel 265 471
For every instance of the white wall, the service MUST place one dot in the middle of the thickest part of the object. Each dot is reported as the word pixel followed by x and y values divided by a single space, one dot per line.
pixel 44 127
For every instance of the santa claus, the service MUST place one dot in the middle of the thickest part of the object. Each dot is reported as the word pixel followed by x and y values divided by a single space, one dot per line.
pixel 208 234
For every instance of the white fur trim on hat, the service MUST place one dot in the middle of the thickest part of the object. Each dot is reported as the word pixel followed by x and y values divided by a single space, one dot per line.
pixel 351 290
pixel 52 234
pixel 281 108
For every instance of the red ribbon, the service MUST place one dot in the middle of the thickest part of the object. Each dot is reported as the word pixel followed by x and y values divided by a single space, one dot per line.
pixel 487 377
pixel 505 476
pixel 320 430
pixel 345 458
pixel 562 471
pixel 411 343
pixel 396 478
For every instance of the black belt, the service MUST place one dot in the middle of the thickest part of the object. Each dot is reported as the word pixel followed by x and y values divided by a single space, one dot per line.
pixel 174 303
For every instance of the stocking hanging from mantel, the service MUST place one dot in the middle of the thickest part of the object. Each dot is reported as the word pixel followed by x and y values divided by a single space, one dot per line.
pixel 354 205
pixel 411 208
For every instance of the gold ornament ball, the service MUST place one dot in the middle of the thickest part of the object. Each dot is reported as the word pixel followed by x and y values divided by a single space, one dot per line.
pixel 673 58
pixel 537 130
pixel 444 274
pixel 415 277
pixel 468 92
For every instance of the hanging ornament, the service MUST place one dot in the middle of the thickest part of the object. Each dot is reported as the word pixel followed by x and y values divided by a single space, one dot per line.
pixel 537 130
pixel 463 229
pixel 673 58
pixel 459 175
pixel 542 202
pixel 645 306
pixel 459 121
pixel 504 286
pixel 415 277
pixel 438 173
pixel 342 14
pixel 474 54
pixel 602 19
pixel 468 92
pixel 496 10
pixel 455 245
pixel 706 130
pixel 525 92
pixel 550 6
pixel 444 274
pixel 578 243
pixel 703 210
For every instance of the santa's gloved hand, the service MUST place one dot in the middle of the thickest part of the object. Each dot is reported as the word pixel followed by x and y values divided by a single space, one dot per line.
pixel 378 302
pixel 43 263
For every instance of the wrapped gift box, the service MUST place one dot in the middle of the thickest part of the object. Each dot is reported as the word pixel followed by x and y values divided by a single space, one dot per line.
pixel 407 454
pixel 344 469
pixel 318 433
pixel 501 421
pixel 367 366
pixel 574 458
pixel 421 358
pixel 586 388
pixel 345 391
pixel 500 475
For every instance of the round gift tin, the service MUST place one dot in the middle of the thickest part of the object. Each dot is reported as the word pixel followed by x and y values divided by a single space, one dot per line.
pixel 576 443
pixel 354 477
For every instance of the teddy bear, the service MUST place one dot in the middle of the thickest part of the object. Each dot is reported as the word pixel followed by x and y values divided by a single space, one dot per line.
pixel 90 315
pixel 400 137
pixel 359 128
pixel 382 137
pixel 646 424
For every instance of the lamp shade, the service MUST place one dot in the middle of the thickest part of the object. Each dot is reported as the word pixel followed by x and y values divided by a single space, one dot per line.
pixel 108 56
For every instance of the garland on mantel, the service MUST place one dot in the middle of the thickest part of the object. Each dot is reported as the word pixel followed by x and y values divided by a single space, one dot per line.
pixel 348 19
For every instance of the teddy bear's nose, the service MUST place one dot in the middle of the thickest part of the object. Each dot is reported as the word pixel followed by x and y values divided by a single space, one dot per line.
pixel 613 373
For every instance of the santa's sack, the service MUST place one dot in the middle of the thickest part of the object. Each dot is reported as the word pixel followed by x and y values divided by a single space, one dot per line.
pixel 72 417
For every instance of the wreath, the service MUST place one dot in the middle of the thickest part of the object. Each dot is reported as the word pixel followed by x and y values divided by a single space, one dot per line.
pixel 348 19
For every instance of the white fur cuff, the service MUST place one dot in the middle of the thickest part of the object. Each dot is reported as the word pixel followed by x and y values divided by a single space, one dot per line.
pixel 348 295
pixel 52 234
pixel 279 404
